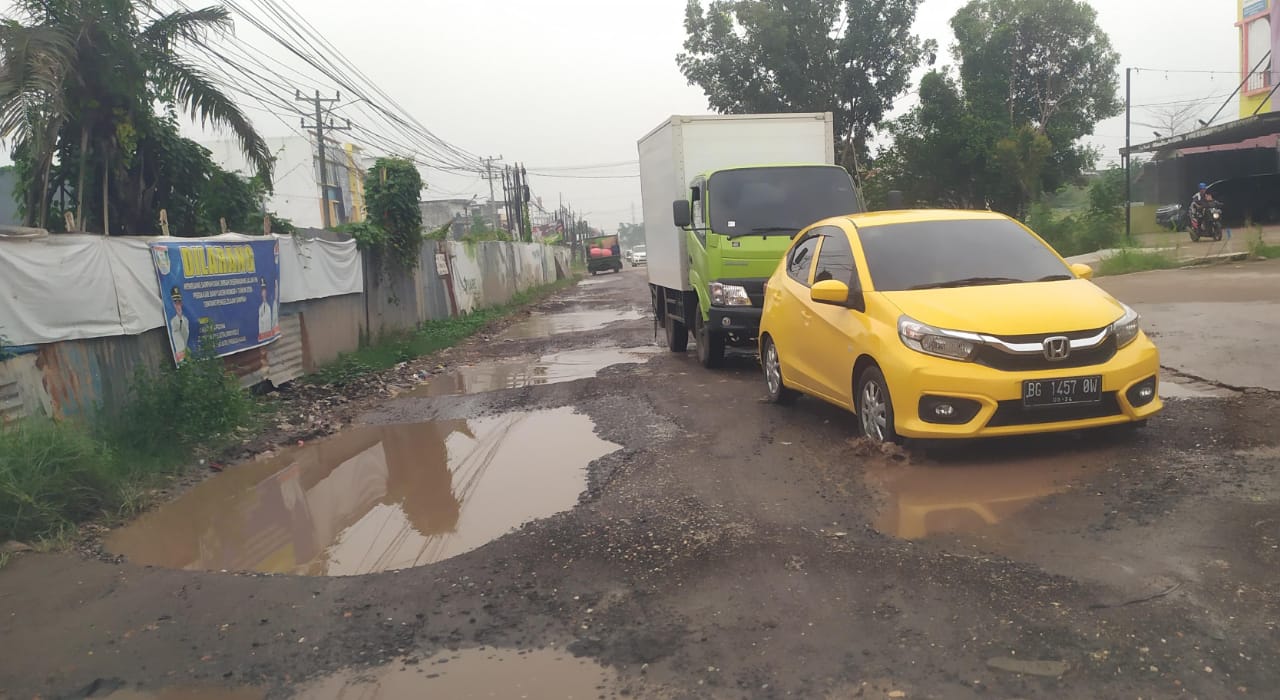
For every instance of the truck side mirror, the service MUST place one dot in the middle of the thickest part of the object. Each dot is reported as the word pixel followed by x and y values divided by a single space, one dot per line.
pixel 681 213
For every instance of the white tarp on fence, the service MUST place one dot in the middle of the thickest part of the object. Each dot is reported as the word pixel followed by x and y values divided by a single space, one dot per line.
pixel 76 286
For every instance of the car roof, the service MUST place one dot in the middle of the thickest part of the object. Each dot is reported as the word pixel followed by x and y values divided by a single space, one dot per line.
pixel 912 216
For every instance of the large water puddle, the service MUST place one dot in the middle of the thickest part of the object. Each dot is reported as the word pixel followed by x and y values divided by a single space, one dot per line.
pixel 558 367
pixel 374 498
pixel 976 488
pixel 470 674
pixel 574 320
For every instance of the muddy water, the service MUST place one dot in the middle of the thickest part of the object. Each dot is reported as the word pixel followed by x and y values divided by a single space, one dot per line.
pixel 471 673
pixel 374 498
pixel 574 320
pixel 188 693
pixel 976 488
pixel 559 367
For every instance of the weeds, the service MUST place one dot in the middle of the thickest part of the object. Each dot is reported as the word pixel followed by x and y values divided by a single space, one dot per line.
pixel 1130 260
pixel 174 411
pixel 52 475
pixel 1259 248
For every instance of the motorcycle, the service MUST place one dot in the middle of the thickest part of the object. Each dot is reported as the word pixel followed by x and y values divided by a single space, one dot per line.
pixel 1208 224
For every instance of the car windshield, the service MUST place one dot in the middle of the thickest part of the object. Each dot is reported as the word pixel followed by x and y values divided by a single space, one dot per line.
pixel 778 201
pixel 957 253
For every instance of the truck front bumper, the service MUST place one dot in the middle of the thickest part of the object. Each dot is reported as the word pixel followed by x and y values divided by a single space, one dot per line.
pixel 742 323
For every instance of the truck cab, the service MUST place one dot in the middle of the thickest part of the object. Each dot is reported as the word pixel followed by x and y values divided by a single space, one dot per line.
pixel 738 222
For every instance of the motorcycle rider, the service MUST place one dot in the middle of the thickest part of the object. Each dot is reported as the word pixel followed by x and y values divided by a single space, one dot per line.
pixel 1198 202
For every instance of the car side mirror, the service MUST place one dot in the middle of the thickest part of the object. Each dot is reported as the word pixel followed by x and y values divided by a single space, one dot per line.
pixel 833 292
pixel 681 213
pixel 1082 271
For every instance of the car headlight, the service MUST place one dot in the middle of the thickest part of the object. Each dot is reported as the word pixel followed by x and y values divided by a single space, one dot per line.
pixel 1126 329
pixel 934 341
pixel 728 295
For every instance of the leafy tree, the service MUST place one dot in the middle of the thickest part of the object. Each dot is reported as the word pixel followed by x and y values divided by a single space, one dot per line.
pixel 1034 77
pixel 77 89
pixel 631 235
pixel 393 187
pixel 849 57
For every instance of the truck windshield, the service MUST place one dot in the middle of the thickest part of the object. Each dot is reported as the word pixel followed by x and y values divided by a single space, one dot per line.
pixel 777 201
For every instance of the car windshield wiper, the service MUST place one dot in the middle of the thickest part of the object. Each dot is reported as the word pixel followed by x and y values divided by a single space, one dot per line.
pixel 766 230
pixel 968 282
pixel 1055 278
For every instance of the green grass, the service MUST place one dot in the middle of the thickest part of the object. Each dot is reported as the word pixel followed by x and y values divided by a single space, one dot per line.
pixel 1130 260
pixel 391 349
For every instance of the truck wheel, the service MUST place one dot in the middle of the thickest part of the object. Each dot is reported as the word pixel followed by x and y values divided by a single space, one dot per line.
pixel 778 391
pixel 875 406
pixel 677 335
pixel 710 343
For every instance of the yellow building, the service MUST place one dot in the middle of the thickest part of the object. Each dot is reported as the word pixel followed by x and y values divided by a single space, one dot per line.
pixel 1259 65
pixel 355 180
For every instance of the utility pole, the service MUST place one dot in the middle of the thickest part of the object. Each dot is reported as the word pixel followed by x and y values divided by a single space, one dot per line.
pixel 320 127
pixel 1128 179
pixel 506 194
pixel 488 175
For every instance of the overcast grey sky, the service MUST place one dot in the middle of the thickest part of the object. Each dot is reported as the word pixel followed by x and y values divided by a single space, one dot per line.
pixel 557 83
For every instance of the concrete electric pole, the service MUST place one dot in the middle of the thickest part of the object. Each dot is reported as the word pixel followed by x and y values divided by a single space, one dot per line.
pixel 320 127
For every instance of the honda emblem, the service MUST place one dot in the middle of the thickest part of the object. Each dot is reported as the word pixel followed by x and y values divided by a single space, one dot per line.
pixel 1057 348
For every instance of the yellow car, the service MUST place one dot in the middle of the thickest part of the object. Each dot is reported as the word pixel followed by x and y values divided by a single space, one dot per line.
pixel 951 324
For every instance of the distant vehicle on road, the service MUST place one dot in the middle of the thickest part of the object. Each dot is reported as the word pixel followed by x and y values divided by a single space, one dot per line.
pixel 639 256
pixel 951 324
pixel 603 253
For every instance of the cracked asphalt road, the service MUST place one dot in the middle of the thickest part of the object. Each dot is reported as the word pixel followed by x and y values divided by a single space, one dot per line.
pixel 732 549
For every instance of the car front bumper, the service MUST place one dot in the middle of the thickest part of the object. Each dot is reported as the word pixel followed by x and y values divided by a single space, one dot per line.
pixel 998 395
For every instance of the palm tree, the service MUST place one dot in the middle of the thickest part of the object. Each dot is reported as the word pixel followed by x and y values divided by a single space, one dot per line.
pixel 79 80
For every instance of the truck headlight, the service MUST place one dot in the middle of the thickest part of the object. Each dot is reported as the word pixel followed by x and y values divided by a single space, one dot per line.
pixel 1126 329
pixel 728 295
pixel 934 341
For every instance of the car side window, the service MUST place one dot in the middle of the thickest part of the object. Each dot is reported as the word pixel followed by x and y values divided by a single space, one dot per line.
pixel 835 259
pixel 800 261
pixel 699 196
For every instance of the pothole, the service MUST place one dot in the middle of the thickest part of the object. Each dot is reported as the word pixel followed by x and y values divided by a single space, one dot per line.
pixel 471 673
pixel 374 498
pixel 971 488
pixel 558 367
pixel 574 320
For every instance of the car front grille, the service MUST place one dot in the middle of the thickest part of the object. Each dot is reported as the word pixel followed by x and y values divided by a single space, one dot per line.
pixel 995 358
pixel 1010 413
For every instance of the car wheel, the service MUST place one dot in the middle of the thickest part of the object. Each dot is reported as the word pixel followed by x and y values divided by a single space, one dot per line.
pixel 778 392
pixel 710 343
pixel 875 406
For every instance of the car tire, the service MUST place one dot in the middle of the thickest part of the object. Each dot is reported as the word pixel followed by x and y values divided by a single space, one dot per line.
pixel 875 407
pixel 772 365
pixel 677 335
pixel 710 343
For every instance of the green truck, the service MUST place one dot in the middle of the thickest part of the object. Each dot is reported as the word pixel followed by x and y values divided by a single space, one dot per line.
pixel 603 254
pixel 723 197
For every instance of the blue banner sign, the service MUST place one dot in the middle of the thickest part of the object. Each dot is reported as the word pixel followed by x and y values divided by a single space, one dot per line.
pixel 223 292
